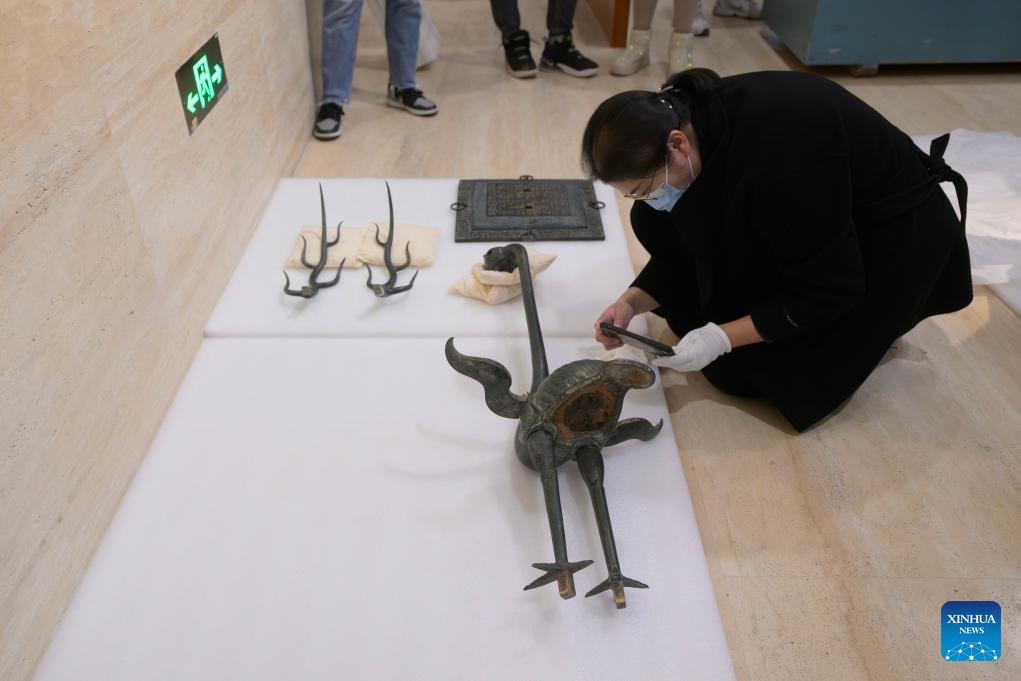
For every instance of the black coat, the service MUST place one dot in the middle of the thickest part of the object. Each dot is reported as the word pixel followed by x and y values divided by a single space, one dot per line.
pixel 820 219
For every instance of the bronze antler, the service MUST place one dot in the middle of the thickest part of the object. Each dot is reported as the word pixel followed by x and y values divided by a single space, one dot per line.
pixel 388 287
pixel 314 284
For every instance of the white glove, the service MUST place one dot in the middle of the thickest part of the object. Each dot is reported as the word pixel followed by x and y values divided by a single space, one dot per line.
pixel 697 349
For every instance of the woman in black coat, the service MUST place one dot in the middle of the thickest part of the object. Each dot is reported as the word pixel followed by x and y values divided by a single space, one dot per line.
pixel 794 232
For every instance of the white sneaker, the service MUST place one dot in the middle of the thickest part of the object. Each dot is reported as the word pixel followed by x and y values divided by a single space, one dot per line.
pixel 635 57
pixel 746 9
pixel 699 25
pixel 681 55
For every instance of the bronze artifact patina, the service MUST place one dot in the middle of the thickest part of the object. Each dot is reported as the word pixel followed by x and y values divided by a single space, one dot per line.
pixel 571 414
pixel 389 287
pixel 313 286
pixel 527 209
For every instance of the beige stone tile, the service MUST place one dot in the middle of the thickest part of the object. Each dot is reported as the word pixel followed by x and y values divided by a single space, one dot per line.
pixel 915 476
pixel 727 617
pixel 47 50
pixel 758 518
pixel 797 628
pixel 832 629
pixel 899 621
pixel 740 46
pixel 922 100
pixel 76 308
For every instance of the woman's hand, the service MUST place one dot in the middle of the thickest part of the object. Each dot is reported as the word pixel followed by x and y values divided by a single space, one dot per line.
pixel 632 302
pixel 619 314
pixel 697 349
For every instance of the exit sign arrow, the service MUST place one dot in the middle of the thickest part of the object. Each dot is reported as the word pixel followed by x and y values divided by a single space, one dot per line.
pixel 201 82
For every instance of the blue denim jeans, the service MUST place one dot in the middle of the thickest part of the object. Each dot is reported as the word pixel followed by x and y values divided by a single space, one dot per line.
pixel 559 16
pixel 340 38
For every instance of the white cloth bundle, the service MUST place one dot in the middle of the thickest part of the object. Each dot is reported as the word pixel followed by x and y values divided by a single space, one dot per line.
pixel 495 287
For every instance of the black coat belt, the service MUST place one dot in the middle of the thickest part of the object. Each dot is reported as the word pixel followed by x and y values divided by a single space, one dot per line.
pixel 913 196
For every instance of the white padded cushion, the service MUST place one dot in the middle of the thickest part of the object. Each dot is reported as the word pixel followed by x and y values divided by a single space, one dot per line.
pixel 423 242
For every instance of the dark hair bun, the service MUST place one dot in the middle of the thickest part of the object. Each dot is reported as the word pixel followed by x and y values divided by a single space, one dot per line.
pixel 693 83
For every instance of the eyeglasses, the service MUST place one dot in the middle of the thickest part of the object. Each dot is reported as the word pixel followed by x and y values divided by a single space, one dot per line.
pixel 652 193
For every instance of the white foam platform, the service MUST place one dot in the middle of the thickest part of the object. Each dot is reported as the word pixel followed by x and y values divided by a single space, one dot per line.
pixel 349 509
pixel 586 277
pixel 1010 293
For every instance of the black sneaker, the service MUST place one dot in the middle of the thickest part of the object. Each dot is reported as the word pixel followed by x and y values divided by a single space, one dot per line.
pixel 560 53
pixel 517 51
pixel 328 121
pixel 411 100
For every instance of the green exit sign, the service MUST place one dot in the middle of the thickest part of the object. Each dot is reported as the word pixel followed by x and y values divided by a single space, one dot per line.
pixel 201 82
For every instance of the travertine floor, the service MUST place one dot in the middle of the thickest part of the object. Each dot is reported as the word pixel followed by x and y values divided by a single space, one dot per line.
pixel 832 551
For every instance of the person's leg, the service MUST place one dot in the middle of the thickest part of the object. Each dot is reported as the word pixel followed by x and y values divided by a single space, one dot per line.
pixel 636 56
pixel 403 20
pixel 506 16
pixel 340 38
pixel 728 374
pixel 642 13
pixel 699 25
pixel 684 14
pixel 681 54
pixel 516 42
pixel 560 52
pixel 560 16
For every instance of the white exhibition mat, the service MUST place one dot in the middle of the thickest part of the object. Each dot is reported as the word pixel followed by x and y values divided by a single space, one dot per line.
pixel 991 163
pixel 324 509
pixel 586 277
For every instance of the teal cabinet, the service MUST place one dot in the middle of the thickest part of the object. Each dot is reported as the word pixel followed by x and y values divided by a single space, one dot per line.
pixel 868 33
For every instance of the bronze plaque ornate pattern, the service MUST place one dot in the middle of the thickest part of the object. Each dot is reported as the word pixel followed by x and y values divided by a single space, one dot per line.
pixel 527 210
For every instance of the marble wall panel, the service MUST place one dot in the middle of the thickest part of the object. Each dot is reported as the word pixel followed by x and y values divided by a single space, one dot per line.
pixel 147 42
pixel 118 231
pixel 47 49
pixel 76 295
pixel 194 192
pixel 314 11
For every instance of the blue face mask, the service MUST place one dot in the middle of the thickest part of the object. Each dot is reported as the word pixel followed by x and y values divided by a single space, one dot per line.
pixel 666 196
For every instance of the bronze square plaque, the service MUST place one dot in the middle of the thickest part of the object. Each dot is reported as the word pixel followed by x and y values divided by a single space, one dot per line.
pixel 527 210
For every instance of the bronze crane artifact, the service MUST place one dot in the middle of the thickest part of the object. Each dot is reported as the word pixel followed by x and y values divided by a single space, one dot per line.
pixel 571 414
